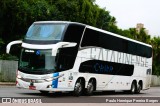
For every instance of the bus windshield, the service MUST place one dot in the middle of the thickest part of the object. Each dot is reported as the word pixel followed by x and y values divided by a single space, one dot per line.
pixel 45 31
pixel 37 61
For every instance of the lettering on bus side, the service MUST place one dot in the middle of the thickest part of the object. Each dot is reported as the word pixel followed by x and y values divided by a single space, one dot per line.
pixel 118 57
pixel 103 68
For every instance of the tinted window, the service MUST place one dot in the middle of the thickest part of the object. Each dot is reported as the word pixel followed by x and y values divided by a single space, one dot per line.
pixel 73 33
pixel 37 61
pixel 45 31
pixel 104 67
pixel 68 55
pixel 99 39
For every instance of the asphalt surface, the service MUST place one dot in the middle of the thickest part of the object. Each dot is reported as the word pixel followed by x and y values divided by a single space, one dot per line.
pixel 12 91
pixel 65 97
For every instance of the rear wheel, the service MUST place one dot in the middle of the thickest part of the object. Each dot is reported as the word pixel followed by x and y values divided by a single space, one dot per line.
pixel 90 88
pixel 78 88
pixel 133 88
pixel 139 87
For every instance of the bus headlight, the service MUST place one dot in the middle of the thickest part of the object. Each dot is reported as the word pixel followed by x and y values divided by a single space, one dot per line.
pixel 19 77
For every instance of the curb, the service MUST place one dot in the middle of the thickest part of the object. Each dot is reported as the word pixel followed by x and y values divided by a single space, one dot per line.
pixel 7 84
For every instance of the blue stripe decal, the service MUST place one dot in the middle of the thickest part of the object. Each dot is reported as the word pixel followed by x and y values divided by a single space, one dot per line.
pixel 55 82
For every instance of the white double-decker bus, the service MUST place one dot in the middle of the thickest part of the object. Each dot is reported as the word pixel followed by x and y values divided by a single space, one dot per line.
pixel 69 56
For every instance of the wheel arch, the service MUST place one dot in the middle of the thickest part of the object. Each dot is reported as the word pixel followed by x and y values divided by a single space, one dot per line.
pixel 82 79
pixel 134 81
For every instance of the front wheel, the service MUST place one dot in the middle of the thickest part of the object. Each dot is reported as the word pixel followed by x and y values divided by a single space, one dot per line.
pixel 44 92
pixel 78 88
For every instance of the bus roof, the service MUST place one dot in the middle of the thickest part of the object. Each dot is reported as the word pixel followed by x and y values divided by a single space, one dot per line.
pixel 97 29
pixel 65 22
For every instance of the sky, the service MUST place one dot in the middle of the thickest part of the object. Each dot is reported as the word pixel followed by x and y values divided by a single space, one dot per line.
pixel 130 12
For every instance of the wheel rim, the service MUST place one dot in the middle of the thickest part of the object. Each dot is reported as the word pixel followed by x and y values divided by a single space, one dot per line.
pixel 90 87
pixel 78 87
pixel 138 88
pixel 133 88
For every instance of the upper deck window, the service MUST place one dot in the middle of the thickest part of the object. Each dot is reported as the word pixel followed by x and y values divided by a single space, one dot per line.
pixel 45 31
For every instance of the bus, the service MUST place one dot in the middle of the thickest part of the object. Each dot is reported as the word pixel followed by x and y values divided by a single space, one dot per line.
pixel 62 56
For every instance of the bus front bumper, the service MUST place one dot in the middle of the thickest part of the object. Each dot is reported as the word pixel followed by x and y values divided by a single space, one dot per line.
pixel 45 86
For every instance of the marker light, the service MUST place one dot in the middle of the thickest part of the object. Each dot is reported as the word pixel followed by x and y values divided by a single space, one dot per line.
pixel 49 79
pixel 53 78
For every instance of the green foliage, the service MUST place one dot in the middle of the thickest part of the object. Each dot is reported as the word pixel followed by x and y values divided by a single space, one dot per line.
pixel 156 55
pixel 17 15
pixel 8 57
pixel 1 42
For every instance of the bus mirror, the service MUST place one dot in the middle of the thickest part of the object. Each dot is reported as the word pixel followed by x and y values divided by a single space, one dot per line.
pixel 62 45
pixel 12 43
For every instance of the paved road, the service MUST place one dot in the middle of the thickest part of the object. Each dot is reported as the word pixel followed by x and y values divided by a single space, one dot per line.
pixel 98 97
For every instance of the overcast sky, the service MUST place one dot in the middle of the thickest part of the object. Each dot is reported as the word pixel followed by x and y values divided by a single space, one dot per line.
pixel 130 12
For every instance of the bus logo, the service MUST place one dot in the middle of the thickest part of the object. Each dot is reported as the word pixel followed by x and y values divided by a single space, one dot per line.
pixel 37 52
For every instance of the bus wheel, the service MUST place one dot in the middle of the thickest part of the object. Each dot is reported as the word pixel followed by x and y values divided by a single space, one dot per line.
pixel 44 92
pixel 133 88
pixel 90 88
pixel 78 88
pixel 139 87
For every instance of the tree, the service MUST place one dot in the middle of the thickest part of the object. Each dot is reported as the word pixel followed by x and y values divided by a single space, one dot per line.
pixel 1 43
pixel 17 15
pixel 156 55
pixel 104 20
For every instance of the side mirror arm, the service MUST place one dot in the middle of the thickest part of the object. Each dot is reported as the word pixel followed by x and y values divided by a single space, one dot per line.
pixel 12 43
pixel 62 45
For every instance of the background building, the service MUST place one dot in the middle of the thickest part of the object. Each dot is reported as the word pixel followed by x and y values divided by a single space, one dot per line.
pixel 141 26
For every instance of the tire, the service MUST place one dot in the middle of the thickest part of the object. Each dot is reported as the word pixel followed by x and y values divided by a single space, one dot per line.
pixel 78 89
pixel 44 92
pixel 138 90
pixel 133 88
pixel 90 88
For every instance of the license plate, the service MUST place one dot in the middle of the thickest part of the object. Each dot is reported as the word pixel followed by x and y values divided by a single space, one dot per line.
pixel 32 87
